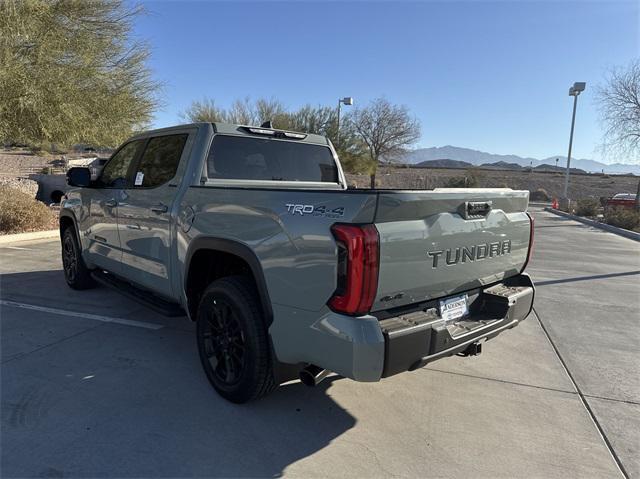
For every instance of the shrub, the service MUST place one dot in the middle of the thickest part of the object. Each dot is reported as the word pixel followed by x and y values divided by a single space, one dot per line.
pixel 588 207
pixel 626 218
pixel 539 195
pixel 456 182
pixel 468 181
pixel 29 187
pixel 20 213
pixel 355 163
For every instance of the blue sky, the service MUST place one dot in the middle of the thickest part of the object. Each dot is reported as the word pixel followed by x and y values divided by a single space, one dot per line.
pixel 492 76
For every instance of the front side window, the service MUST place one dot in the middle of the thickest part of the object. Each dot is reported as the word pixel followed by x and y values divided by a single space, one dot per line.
pixel 114 174
pixel 160 160
pixel 244 158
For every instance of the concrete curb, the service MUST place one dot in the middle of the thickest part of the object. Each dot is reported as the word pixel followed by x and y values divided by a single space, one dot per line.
pixel 36 235
pixel 596 224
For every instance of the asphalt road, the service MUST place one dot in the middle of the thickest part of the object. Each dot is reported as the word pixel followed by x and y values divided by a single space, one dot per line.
pixel 94 385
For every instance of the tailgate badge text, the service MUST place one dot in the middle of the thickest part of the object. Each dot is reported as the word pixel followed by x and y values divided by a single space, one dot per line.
pixel 469 254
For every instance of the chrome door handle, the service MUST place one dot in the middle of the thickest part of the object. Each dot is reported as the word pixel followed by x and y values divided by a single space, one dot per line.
pixel 111 203
pixel 160 208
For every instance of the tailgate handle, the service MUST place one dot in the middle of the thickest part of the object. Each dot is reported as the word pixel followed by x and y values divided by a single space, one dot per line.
pixel 476 209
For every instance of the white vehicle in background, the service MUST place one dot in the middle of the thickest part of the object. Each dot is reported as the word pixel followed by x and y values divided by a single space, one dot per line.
pixel 52 187
pixel 95 164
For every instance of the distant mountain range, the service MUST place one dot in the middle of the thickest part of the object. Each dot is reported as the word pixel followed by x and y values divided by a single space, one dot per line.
pixel 453 155
pixel 498 165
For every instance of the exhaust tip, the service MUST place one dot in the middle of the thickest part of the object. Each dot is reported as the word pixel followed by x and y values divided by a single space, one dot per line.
pixel 307 379
pixel 312 375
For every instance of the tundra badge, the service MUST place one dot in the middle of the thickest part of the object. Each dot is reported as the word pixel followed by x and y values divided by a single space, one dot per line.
pixel 471 253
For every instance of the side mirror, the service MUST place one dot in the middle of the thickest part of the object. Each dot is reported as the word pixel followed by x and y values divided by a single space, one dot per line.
pixel 79 176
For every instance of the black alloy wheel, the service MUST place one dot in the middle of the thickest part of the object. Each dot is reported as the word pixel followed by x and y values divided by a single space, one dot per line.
pixel 224 343
pixel 69 258
pixel 233 341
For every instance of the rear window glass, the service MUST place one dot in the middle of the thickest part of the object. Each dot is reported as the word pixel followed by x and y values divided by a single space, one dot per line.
pixel 238 158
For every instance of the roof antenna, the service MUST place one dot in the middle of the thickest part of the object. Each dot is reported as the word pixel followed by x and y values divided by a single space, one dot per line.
pixel 266 124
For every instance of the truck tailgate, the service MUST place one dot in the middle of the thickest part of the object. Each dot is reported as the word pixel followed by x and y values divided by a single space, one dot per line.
pixel 440 242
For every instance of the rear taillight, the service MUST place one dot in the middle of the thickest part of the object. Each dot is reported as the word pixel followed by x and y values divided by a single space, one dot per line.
pixel 358 256
pixel 530 250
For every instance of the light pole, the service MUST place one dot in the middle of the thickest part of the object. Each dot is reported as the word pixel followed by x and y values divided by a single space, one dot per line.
pixel 574 91
pixel 347 100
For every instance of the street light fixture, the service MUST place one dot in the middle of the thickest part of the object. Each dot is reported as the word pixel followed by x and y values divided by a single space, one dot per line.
pixel 347 100
pixel 574 91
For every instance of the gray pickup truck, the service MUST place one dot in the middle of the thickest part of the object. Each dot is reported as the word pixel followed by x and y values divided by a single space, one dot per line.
pixel 252 233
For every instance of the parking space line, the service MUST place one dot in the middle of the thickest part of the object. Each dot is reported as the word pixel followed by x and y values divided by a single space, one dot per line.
pixel 95 317
pixel 504 381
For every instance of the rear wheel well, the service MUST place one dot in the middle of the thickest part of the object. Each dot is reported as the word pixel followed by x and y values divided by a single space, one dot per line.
pixel 208 265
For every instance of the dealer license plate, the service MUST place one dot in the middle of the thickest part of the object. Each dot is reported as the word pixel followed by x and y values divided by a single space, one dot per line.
pixel 454 308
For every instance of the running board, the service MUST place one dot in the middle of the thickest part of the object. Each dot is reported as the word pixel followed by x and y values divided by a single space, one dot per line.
pixel 159 305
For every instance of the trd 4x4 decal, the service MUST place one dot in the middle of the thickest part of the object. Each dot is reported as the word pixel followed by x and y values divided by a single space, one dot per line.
pixel 304 210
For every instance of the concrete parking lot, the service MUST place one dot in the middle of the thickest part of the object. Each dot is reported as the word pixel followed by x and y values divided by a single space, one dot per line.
pixel 95 385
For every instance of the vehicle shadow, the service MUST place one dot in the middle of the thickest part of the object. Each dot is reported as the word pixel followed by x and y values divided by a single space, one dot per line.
pixel 131 402
pixel 48 288
pixel 269 435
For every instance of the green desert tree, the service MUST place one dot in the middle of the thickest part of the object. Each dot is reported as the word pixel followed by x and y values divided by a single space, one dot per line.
pixel 204 110
pixel 321 120
pixel 272 110
pixel 72 73
pixel 241 112
pixel 249 112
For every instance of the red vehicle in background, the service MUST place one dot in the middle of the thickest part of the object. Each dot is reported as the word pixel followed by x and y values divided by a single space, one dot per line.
pixel 624 200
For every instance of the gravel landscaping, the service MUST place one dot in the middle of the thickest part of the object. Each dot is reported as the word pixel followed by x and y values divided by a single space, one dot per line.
pixel 29 187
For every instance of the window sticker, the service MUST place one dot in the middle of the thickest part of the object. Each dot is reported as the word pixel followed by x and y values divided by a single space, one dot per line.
pixel 139 178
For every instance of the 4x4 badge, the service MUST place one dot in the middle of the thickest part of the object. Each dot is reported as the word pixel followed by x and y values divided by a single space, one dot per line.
pixel 304 210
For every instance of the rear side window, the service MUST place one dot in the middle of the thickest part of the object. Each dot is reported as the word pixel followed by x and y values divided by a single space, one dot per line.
pixel 239 158
pixel 160 160
pixel 114 174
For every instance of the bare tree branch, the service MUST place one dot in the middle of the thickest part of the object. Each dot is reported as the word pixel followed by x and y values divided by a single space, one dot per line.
pixel 386 129
pixel 619 104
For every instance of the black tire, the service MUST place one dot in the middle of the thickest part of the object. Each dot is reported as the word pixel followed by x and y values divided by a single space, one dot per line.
pixel 76 273
pixel 233 341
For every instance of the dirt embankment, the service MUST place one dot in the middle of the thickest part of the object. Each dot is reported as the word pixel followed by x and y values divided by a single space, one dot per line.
pixel 580 186
pixel 19 163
